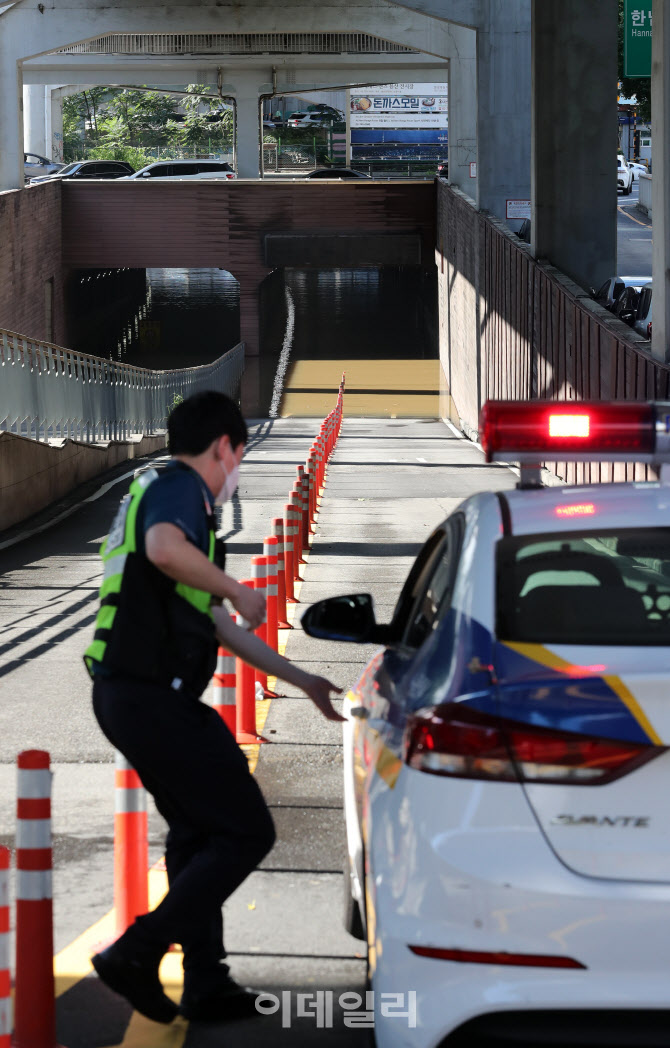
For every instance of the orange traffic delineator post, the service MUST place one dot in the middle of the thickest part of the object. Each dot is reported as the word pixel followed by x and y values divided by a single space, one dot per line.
pixel 270 553
pixel 223 688
pixel 34 1000
pixel 260 570
pixel 131 847
pixel 245 729
pixel 294 535
pixel 295 498
pixel 5 984
pixel 304 483
pixel 288 555
pixel 278 533
pixel 311 473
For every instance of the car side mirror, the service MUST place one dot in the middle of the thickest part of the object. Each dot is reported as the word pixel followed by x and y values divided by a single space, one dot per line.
pixel 348 618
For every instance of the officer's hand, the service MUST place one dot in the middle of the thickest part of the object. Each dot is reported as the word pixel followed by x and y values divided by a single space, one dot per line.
pixel 251 606
pixel 318 689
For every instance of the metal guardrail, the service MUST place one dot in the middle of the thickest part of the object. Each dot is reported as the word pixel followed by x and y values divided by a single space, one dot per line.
pixel 47 392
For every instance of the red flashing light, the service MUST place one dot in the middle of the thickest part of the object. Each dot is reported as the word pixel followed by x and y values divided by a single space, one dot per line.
pixel 547 428
pixel 569 425
pixel 524 960
pixel 584 509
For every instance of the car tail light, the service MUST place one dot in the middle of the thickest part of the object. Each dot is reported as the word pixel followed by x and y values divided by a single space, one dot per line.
pixel 457 741
pixel 524 960
pixel 649 329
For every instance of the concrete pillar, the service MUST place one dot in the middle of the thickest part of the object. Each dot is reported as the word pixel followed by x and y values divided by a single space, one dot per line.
pixel 55 124
pixel 34 119
pixel 11 117
pixel 503 103
pixel 463 121
pixel 574 66
pixel 247 126
pixel 660 182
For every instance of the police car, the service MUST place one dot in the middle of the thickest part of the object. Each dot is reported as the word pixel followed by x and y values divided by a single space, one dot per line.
pixel 507 775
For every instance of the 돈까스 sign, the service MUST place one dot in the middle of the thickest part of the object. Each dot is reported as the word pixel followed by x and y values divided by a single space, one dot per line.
pixel 400 105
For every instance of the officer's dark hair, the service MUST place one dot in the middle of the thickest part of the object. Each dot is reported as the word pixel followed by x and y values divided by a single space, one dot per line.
pixel 202 418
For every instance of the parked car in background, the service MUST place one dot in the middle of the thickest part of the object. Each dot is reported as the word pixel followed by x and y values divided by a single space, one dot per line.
pixel 626 303
pixel 608 293
pixel 443 169
pixel 642 322
pixel 186 169
pixel 624 175
pixel 336 172
pixel 318 119
pixel 35 165
pixel 90 169
pixel 637 169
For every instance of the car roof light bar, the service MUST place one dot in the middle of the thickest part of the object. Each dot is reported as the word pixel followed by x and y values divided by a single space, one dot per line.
pixel 533 431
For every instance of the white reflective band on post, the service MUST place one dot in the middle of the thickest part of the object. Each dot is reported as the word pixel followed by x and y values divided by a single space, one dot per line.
pixel 224 696
pixel 4 888
pixel 33 885
pixel 224 663
pixel 33 833
pixel 5 1016
pixel 114 566
pixel 33 783
pixel 272 589
pixel 129 799
pixel 4 951
pixel 121 764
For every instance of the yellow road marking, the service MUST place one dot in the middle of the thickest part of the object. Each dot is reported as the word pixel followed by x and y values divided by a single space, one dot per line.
pixel 645 225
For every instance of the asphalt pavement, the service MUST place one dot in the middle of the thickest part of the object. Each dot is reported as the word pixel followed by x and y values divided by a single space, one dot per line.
pixel 389 483
pixel 634 231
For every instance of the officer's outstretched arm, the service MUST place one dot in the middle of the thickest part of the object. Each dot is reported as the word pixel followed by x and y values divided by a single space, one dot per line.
pixel 169 550
pixel 257 653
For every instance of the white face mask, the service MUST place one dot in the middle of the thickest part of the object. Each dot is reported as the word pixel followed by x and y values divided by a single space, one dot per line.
pixel 229 486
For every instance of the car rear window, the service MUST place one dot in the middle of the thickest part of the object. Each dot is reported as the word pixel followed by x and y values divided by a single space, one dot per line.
pixel 585 588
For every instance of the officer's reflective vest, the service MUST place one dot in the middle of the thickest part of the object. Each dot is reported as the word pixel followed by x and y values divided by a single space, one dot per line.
pixel 149 626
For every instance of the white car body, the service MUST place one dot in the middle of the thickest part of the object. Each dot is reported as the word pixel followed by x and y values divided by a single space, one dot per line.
pixel 179 169
pixel 638 169
pixel 553 870
pixel 624 175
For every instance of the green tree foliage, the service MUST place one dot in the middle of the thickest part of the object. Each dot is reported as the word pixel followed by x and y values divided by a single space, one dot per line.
pixel 638 87
pixel 123 124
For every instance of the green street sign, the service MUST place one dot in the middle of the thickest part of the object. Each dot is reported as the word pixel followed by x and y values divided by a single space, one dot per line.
pixel 637 38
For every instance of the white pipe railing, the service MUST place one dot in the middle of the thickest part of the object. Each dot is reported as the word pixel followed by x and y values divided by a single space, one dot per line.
pixel 47 392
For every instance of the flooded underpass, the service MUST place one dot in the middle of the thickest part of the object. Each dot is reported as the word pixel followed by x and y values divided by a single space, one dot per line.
pixel 175 318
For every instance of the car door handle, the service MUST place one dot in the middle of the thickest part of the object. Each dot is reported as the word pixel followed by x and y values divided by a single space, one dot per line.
pixel 361 712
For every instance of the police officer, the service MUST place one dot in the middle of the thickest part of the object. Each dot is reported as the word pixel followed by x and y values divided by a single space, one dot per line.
pixel 153 654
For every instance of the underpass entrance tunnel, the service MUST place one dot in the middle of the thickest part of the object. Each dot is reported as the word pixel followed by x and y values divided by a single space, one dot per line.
pixel 378 323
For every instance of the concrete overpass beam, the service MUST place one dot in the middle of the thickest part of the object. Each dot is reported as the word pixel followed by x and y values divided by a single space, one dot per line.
pixel 55 123
pixel 35 119
pixel 11 118
pixel 247 127
pixel 503 103
pixel 463 121
pixel 574 203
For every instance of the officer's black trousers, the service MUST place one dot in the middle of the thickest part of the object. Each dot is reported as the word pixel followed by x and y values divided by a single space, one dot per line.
pixel 219 824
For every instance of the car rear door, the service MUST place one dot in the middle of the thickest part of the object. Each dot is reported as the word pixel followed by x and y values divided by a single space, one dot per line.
pixel 381 694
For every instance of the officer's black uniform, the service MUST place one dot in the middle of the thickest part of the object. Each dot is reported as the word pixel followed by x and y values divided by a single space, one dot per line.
pixel 151 659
